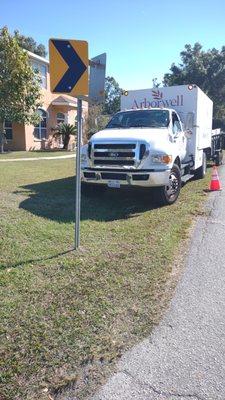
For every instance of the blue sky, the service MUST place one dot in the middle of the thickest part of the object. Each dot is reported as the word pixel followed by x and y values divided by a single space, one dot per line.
pixel 141 37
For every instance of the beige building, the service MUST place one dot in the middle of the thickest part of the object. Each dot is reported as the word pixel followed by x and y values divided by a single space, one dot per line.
pixel 54 110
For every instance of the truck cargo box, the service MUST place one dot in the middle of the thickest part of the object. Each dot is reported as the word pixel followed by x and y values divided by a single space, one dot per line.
pixel 193 106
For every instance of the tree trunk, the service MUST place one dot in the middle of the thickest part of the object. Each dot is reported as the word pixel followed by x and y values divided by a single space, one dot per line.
pixel 2 136
pixel 66 142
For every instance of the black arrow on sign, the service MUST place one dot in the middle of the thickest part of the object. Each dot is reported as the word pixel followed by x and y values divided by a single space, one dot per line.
pixel 75 64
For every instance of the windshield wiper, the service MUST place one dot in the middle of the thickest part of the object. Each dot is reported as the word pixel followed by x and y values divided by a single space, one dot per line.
pixel 115 126
pixel 137 126
pixel 144 126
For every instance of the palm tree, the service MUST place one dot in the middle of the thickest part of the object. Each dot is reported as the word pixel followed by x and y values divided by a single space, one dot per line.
pixel 65 130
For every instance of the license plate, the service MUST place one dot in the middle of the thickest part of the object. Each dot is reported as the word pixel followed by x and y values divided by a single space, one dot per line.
pixel 114 184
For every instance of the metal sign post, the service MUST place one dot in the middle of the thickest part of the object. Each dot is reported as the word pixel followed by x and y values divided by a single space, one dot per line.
pixel 78 173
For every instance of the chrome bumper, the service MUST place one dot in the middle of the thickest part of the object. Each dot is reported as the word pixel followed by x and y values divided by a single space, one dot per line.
pixel 143 178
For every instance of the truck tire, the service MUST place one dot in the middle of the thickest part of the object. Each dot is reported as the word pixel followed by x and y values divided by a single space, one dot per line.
pixel 219 158
pixel 89 189
pixel 201 171
pixel 167 195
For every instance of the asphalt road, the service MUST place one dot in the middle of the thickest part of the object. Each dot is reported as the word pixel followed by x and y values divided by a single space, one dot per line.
pixel 184 358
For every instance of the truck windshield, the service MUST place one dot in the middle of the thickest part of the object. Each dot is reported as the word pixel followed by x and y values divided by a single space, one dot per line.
pixel 140 119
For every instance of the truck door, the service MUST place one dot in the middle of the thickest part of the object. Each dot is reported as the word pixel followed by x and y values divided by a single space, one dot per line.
pixel 179 136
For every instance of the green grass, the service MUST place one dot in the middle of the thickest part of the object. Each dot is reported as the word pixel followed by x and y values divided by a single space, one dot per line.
pixel 32 154
pixel 67 317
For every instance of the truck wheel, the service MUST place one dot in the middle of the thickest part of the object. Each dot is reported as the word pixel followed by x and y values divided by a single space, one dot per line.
pixel 200 172
pixel 167 195
pixel 89 189
pixel 219 158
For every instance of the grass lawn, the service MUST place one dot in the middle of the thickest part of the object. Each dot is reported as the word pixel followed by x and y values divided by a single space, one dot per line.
pixel 32 154
pixel 67 317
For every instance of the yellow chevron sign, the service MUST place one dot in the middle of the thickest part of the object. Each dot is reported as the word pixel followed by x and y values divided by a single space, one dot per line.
pixel 68 66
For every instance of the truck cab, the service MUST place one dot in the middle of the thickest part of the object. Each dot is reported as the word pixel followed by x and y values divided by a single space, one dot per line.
pixel 137 147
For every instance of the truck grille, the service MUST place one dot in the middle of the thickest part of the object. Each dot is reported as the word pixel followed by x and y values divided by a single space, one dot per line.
pixel 114 162
pixel 115 154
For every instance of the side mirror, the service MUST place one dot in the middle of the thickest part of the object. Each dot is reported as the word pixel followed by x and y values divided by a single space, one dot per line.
pixel 189 121
pixel 176 134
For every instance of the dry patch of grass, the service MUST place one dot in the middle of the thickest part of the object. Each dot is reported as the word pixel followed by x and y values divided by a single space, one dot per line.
pixel 67 316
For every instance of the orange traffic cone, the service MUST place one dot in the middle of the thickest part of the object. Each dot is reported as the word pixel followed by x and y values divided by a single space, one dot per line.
pixel 215 182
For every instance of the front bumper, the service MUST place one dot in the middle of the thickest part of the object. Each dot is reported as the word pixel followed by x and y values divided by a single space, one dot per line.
pixel 141 178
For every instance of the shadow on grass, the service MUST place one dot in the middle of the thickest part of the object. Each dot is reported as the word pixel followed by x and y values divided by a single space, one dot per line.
pixel 55 200
pixel 34 261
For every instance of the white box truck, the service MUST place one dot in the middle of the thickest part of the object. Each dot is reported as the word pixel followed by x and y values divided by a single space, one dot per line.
pixel 161 137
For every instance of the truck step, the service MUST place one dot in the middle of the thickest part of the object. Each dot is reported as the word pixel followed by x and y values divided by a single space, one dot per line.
pixel 186 177
pixel 185 165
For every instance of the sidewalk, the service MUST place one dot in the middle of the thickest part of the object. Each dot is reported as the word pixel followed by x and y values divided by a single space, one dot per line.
pixel 184 358
pixel 37 158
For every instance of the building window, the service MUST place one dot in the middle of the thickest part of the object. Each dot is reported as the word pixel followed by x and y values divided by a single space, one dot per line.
pixel 41 69
pixel 8 130
pixel 40 130
pixel 60 118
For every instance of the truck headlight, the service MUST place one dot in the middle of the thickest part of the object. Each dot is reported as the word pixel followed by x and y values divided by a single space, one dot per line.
pixel 162 159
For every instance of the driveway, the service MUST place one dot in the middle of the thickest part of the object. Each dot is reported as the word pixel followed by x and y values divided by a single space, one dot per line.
pixel 184 358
